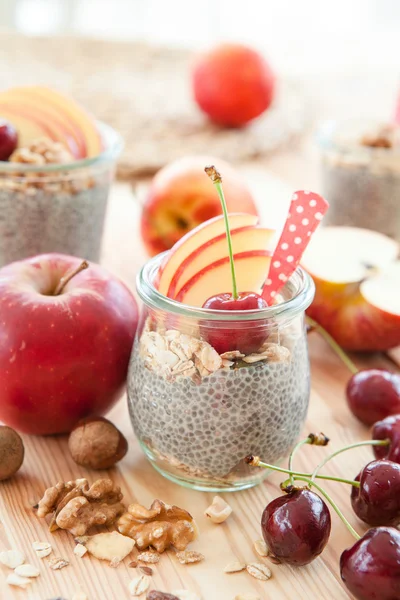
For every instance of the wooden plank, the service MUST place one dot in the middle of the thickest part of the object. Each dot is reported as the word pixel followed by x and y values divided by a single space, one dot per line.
pixel 47 460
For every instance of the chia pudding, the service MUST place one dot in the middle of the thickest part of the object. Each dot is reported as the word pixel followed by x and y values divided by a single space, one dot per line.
pixel 361 175
pixel 198 414
pixel 50 202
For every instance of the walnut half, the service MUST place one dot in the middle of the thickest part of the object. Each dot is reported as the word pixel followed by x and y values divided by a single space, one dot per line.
pixel 159 526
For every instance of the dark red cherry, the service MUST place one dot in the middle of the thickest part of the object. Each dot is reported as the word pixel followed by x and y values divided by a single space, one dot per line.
pixel 370 569
pixel 388 429
pixel 377 500
pixel 296 526
pixel 373 394
pixel 245 336
pixel 8 139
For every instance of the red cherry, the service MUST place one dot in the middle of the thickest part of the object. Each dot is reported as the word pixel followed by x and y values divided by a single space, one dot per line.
pixel 373 394
pixel 8 139
pixel 296 527
pixel 377 500
pixel 388 429
pixel 245 336
pixel 370 569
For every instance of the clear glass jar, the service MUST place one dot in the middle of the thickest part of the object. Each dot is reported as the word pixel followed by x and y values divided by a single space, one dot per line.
pixel 361 182
pixel 56 207
pixel 196 414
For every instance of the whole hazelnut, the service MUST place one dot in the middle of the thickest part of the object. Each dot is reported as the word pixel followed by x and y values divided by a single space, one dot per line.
pixel 96 443
pixel 11 452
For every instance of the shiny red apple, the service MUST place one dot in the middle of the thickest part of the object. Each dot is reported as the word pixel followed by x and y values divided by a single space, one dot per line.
pixel 64 350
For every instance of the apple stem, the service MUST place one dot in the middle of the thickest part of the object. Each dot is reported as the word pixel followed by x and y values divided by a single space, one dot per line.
pixel 254 461
pixel 344 449
pixel 64 280
pixel 333 344
pixel 318 439
pixel 216 178
pixel 332 503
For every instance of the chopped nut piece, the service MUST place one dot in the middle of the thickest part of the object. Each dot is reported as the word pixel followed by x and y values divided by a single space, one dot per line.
pixel 149 557
pixel 42 549
pixel 261 548
pixel 160 526
pixel 139 586
pixel 80 595
pixel 185 595
pixel 27 571
pixel 57 563
pixel 189 556
pixel 146 571
pixel 247 597
pixel 110 546
pixel 155 595
pixel 12 558
pixel 259 571
pixel 234 567
pixel 17 580
pixel 80 550
pixel 219 510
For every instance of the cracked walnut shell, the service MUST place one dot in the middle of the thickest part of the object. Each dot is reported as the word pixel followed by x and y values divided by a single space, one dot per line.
pixel 159 526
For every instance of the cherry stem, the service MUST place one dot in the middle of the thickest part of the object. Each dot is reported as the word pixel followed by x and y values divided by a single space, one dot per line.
pixel 292 454
pixel 216 178
pixel 344 449
pixel 333 344
pixel 254 461
pixel 332 503
pixel 64 280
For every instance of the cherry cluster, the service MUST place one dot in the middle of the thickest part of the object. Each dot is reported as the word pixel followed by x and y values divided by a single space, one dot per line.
pixel 296 526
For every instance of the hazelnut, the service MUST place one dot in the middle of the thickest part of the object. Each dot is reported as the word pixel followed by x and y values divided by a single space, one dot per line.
pixel 219 510
pixel 11 452
pixel 96 443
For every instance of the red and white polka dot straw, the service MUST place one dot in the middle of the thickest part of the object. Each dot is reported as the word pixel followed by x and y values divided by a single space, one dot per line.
pixel 305 214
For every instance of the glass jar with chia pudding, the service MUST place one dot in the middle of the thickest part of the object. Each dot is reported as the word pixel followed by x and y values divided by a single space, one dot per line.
pixel 361 175
pixel 197 411
pixel 51 202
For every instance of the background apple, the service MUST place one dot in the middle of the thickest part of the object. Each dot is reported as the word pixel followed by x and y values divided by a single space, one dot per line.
pixel 180 197
pixel 65 356
pixel 357 280
pixel 233 84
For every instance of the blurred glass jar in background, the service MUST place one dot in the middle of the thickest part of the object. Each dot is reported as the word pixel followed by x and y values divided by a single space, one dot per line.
pixel 56 206
pixel 361 175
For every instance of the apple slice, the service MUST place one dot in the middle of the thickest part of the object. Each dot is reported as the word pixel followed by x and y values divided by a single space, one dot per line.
pixel 243 239
pixel 193 240
pixel 357 282
pixel 251 271
pixel 71 112
pixel 32 107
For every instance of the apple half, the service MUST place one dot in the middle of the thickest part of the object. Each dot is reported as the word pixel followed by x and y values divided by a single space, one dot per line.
pixel 243 239
pixel 357 280
pixel 193 240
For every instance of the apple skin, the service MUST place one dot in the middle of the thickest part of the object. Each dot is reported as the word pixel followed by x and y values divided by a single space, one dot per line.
pixel 65 357
pixel 354 323
pixel 232 84
pixel 180 197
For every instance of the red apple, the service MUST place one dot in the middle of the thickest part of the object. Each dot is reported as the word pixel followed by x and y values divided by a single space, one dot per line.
pixel 62 356
pixel 233 84
pixel 180 198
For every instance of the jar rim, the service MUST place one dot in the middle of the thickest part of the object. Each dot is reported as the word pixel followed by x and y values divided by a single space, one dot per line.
pixel 328 136
pixel 113 147
pixel 300 301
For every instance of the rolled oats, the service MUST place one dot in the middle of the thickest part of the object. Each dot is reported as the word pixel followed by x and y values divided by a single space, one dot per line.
pixel 139 585
pixel 149 557
pixel 27 570
pixel 12 558
pixel 42 549
pixel 186 557
pixel 261 548
pixel 17 580
pixel 235 567
pixel 232 355
pixel 259 571
pixel 58 563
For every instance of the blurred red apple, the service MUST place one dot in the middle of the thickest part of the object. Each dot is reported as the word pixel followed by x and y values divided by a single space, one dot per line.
pixel 233 84
pixel 65 356
pixel 180 198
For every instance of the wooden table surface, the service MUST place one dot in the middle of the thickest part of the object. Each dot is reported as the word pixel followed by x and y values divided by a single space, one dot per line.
pixel 47 461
